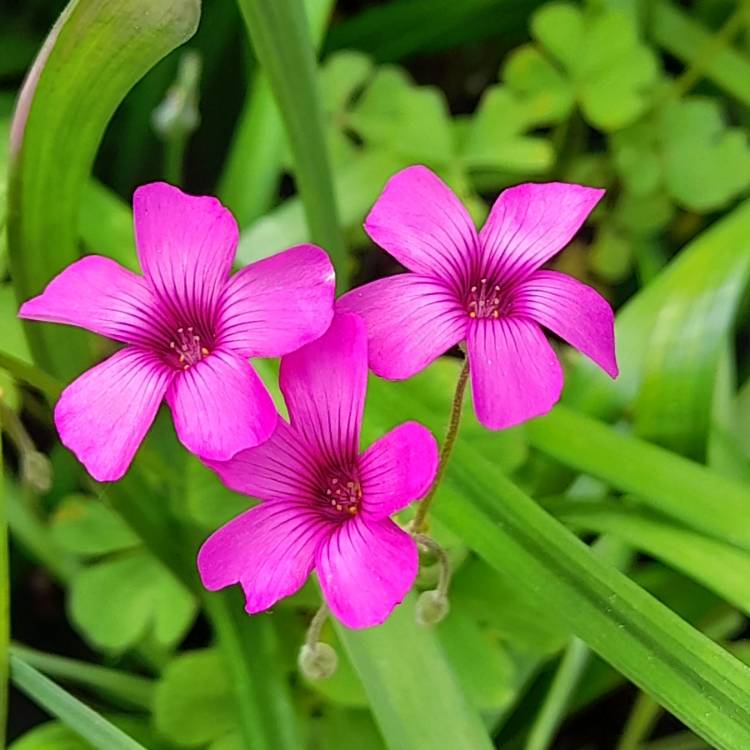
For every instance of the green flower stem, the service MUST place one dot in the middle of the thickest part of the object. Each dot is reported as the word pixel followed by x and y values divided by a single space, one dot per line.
pixel 643 717
pixel 418 524
pixel 280 35
pixel 31 375
pixel 174 158
pixel 316 625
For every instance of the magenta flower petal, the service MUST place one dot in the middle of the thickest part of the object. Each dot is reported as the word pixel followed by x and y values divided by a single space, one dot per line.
pixel 326 402
pixel 186 245
pixel 411 320
pixel 279 469
pixel 103 415
pixel 99 295
pixel 572 310
pixel 515 374
pixel 397 469
pixel 420 222
pixel 365 569
pixel 529 224
pixel 247 550
pixel 278 304
pixel 330 499
pixel 220 406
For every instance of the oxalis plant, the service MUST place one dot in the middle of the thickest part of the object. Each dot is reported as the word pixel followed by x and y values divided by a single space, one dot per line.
pixel 275 517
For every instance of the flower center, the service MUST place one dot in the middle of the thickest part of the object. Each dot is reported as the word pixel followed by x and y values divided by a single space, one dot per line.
pixel 341 493
pixel 486 300
pixel 186 348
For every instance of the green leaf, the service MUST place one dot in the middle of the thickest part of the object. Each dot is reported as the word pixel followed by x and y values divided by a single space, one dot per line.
pixel 683 36
pixel 193 702
pixel 547 98
pixel 495 136
pixel 134 690
pixel 415 697
pixel 486 671
pixel 93 56
pixel 87 527
pixel 342 76
pixel 684 671
pixel 207 500
pixel 669 339
pixel 706 163
pixel 116 601
pixel 74 714
pixel 610 71
pixel 670 484
pixel 50 736
pixel 412 121
pixel 357 186
pixel 281 40
pixel 720 567
pixel 4 598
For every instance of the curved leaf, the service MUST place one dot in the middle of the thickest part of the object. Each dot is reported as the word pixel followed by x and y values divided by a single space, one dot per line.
pixel 93 56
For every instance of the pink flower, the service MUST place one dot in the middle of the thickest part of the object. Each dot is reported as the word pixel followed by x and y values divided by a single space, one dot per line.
pixel 325 505
pixel 188 328
pixel 483 288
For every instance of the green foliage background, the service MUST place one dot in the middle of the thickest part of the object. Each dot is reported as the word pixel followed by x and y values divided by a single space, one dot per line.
pixel 606 545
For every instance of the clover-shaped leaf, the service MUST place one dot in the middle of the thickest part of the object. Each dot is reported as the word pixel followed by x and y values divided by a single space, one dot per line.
pixel 609 72
pixel 410 120
pixel 194 704
pixel 706 163
pixel 89 528
pixel 118 601
pixel 125 593
pixel 687 151
pixel 495 136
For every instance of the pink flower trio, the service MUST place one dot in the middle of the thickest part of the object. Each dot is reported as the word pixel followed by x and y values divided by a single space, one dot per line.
pixel 188 329
pixel 325 504
pixel 482 288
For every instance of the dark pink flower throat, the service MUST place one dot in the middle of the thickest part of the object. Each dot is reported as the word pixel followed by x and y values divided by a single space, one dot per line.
pixel 187 348
pixel 487 299
pixel 341 493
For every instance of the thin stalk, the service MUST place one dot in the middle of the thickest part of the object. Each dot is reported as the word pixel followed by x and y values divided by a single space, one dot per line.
pixel 280 35
pixel 702 62
pixel 446 450
pixel 573 664
pixel 316 625
pixel 174 159
pixel 567 677
pixel 640 724
pixel 50 386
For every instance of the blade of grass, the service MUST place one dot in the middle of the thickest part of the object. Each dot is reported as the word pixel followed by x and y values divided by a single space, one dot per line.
pixel 684 671
pixel 265 709
pixel 4 600
pixel 675 486
pixel 414 695
pixel 253 167
pixel 721 568
pixel 676 32
pixel 83 720
pixel 281 39
pixel 93 56
pixel 132 689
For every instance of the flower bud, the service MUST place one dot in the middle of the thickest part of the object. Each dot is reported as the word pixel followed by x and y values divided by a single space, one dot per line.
pixel 36 470
pixel 177 116
pixel 432 607
pixel 317 661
